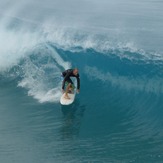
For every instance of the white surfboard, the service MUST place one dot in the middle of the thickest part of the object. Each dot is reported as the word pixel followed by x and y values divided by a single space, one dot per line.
pixel 65 101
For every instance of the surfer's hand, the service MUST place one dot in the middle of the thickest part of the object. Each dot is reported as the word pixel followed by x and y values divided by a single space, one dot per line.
pixel 77 90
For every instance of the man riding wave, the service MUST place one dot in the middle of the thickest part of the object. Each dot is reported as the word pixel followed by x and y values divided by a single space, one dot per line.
pixel 66 75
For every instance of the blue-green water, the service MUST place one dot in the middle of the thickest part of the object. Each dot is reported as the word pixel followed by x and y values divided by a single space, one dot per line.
pixel 118 115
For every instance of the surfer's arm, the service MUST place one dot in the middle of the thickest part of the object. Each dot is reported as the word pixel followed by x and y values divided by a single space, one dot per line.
pixel 78 82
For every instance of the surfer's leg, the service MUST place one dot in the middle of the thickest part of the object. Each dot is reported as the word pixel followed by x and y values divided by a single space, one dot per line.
pixel 67 89
pixel 70 89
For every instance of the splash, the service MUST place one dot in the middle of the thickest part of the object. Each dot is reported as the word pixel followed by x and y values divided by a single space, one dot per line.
pixel 14 45
pixel 41 74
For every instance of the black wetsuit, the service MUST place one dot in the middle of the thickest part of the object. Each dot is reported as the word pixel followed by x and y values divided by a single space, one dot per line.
pixel 67 74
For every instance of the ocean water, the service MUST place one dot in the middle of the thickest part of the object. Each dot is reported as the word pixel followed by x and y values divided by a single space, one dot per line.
pixel 118 115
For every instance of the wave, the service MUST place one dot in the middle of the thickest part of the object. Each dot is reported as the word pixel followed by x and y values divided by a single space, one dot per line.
pixel 127 83
pixel 35 53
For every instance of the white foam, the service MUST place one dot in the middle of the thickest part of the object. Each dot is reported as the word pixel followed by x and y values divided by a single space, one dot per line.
pixel 75 40
pixel 37 91
pixel 70 27
pixel 52 95
pixel 17 44
pixel 14 45
pixel 43 86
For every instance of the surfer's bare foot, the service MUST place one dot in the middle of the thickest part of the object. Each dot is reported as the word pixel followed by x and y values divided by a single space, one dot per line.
pixel 67 97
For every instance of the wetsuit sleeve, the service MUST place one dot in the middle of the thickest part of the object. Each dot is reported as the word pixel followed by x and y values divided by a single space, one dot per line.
pixel 65 78
pixel 78 82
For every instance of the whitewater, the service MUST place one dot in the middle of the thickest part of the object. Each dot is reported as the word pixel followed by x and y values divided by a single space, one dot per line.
pixel 117 46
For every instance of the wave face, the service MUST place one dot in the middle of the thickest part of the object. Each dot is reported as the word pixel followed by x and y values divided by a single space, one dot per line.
pixel 117 47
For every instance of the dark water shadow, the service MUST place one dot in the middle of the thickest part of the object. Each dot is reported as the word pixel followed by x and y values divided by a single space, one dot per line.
pixel 72 119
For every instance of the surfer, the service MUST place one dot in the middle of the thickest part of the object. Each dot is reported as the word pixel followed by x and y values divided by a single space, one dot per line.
pixel 66 75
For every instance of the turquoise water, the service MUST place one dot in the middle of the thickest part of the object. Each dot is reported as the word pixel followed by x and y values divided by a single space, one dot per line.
pixel 117 46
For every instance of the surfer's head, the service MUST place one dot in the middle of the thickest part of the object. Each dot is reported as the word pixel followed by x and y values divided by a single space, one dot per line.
pixel 75 71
